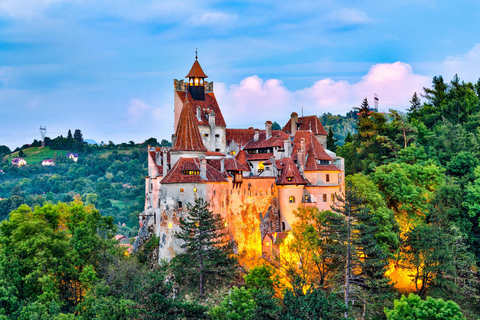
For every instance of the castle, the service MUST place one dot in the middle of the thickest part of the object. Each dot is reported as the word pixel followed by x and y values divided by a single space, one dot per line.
pixel 254 178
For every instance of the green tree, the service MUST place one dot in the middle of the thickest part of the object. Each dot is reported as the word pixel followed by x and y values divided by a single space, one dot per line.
pixel 78 136
pixel 276 126
pixel 414 308
pixel 208 258
pixel 331 141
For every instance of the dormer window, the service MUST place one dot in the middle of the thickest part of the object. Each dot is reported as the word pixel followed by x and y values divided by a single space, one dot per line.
pixel 289 179
pixel 191 172
pixel 324 162
pixel 217 136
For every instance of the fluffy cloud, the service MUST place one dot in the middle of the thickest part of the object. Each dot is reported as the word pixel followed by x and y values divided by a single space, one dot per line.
pixel 254 100
pixel 137 109
pixel 467 65
pixel 351 16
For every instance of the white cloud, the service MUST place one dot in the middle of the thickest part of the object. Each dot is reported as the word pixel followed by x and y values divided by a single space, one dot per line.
pixel 26 8
pixel 351 16
pixel 214 18
pixel 467 65
pixel 136 110
pixel 254 100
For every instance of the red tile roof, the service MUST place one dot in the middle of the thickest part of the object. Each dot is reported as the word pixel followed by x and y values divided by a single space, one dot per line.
pixel 240 136
pixel 313 152
pixel 210 104
pixel 308 123
pixel 192 164
pixel 242 158
pixel 211 153
pixel 275 141
pixel 188 136
pixel 152 155
pixel 233 164
pixel 196 71
pixel 259 156
pixel 290 171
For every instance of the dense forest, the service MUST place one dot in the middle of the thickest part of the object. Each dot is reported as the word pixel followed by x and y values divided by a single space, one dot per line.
pixel 404 243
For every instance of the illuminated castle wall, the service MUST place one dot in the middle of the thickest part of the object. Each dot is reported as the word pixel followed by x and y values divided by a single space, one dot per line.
pixel 255 178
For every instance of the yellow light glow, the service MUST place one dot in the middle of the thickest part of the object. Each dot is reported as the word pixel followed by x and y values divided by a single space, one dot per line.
pixel 170 225
pixel 194 189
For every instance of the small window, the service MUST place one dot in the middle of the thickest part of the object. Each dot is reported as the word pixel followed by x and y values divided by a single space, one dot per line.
pixel 291 199
pixel 180 205
pixel 306 198
pixel 268 243
pixel 283 226
pixel 233 152
pixel 181 189
pixel 289 179
pixel 217 150
pixel 327 178
pixel 170 225
pixel 324 198
pixel 194 189
pixel 214 192
pixel 217 136
pixel 333 197
pixel 205 135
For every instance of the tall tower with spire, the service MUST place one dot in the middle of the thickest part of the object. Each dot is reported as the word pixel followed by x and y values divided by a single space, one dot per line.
pixel 196 78
pixel 204 108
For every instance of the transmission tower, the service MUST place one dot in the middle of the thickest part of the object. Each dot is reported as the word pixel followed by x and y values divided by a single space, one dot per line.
pixel 375 100
pixel 43 132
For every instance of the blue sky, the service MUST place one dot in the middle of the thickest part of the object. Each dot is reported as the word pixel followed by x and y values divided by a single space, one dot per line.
pixel 107 66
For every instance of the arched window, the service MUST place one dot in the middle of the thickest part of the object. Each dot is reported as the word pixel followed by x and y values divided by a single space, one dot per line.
pixel 291 199
pixel 261 167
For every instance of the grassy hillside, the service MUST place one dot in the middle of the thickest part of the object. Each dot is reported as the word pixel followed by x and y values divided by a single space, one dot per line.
pixel 36 154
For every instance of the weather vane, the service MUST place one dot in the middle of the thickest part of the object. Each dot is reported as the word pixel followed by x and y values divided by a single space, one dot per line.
pixel 196 57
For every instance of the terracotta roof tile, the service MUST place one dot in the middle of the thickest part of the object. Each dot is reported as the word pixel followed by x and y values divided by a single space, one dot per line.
pixel 192 164
pixel 210 104
pixel 233 164
pixel 188 136
pixel 259 156
pixel 290 174
pixel 307 123
pixel 196 71
pixel 240 136
pixel 314 151
pixel 275 141
pixel 211 153
pixel 242 158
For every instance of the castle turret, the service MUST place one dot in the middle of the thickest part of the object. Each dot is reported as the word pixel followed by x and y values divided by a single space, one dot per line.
pixel 196 78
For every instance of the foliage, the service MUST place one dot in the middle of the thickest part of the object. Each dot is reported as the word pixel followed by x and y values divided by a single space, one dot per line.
pixel 208 258
pixel 413 308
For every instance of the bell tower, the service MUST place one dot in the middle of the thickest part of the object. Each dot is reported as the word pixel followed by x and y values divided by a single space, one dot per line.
pixel 196 81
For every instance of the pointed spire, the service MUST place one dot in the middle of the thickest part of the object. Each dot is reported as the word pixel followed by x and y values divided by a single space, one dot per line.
pixel 196 71
pixel 188 135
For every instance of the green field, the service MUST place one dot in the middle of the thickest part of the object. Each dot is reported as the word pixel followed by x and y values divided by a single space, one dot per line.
pixel 36 155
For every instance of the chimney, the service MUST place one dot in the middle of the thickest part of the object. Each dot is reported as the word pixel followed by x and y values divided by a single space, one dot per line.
pixel 199 113
pixel 286 147
pixel 222 165
pixel 165 162
pixel 211 118
pixel 293 123
pixel 268 130
pixel 301 156
pixel 255 136
pixel 203 169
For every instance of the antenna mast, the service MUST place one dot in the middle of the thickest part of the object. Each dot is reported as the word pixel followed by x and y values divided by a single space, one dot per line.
pixel 375 100
pixel 43 132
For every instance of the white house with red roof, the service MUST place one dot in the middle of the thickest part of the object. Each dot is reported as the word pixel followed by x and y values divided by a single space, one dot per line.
pixel 254 178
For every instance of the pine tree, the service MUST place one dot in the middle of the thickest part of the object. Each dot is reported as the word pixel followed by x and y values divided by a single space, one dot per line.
pixel 208 258
pixel 69 135
pixel 415 103
pixel 348 137
pixel 78 135
pixel 331 141
pixel 365 261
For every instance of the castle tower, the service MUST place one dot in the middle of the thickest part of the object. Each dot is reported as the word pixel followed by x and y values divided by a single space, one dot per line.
pixel 196 78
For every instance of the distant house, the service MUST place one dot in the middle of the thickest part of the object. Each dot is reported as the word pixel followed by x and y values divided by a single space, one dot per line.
pixel 1 171
pixel 19 162
pixel 73 156
pixel 48 162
